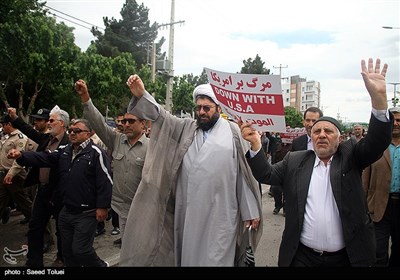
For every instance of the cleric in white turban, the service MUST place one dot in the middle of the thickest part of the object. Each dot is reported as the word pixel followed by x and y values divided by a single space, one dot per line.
pixel 197 193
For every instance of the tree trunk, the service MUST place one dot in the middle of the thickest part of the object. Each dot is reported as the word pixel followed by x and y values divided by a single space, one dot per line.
pixel 3 95
pixel 33 98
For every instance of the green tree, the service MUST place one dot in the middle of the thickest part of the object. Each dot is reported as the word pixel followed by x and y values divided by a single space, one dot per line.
pixel 255 66
pixel 133 34
pixel 292 117
pixel 106 78
pixel 183 97
pixel 37 56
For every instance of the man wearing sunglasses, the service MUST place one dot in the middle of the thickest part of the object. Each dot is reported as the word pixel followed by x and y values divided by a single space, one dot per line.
pixel 48 201
pixel 128 151
pixel 85 185
pixel 197 194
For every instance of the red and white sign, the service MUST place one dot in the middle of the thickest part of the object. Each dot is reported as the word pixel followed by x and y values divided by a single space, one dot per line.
pixel 292 133
pixel 253 98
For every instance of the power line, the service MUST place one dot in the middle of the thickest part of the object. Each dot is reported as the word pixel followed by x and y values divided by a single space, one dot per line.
pixel 116 34
pixel 69 20
pixel 122 37
pixel 73 18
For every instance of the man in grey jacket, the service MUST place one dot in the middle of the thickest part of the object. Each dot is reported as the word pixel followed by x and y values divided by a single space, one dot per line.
pixel 128 150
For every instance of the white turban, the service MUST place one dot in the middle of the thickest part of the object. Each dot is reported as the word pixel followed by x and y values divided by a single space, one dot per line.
pixel 206 90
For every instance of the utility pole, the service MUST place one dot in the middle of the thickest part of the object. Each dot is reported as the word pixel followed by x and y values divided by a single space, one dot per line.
pixel 170 71
pixel 395 100
pixel 153 62
pixel 170 65
pixel 280 69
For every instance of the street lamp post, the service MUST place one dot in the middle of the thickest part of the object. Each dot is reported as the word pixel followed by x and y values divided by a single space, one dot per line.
pixel 395 100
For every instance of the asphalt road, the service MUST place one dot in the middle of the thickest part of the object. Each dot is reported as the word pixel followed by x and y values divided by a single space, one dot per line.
pixel 13 237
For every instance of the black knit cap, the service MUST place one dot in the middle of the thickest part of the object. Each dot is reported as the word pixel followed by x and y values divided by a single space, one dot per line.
pixel 329 119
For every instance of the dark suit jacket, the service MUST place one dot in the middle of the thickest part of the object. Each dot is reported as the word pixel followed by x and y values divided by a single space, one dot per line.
pixel 294 175
pixel 300 143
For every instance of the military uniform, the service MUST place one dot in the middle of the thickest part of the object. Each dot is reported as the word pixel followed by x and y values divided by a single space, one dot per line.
pixel 15 190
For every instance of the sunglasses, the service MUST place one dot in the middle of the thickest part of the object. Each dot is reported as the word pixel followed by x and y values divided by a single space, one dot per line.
pixel 76 130
pixel 206 108
pixel 130 121
pixel 52 120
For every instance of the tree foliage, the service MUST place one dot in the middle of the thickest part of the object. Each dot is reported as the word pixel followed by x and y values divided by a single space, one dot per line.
pixel 292 117
pixel 132 34
pixel 40 62
pixel 255 66
pixel 37 56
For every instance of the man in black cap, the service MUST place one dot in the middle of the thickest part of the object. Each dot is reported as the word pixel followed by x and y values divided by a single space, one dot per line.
pixel 327 220
pixel 40 120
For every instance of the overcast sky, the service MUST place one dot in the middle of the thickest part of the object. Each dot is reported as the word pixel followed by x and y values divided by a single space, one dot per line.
pixel 318 40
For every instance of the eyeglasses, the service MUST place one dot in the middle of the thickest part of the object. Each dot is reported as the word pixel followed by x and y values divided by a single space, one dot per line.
pixel 130 121
pixel 206 108
pixel 52 120
pixel 76 130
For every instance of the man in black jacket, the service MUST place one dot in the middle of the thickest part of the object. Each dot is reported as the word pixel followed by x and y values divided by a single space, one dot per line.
pixel 85 185
pixel 47 202
pixel 327 220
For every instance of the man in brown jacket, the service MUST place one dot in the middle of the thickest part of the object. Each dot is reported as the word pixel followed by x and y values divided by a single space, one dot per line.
pixel 381 181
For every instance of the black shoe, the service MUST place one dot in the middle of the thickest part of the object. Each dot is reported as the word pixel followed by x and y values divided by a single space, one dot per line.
pixel 276 211
pixel 115 231
pixel 24 221
pixel 102 231
pixel 6 215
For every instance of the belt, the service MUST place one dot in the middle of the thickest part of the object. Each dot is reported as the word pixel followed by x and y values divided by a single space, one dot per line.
pixel 322 253
pixel 394 195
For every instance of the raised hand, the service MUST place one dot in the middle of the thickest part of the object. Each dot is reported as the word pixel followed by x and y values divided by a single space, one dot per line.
pixel 251 135
pixel 82 90
pixel 12 112
pixel 136 86
pixel 374 80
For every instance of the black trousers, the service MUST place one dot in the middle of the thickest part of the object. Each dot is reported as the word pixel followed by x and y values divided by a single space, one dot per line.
pixel 114 218
pixel 388 227
pixel 42 211
pixel 306 257
pixel 277 192
pixel 77 233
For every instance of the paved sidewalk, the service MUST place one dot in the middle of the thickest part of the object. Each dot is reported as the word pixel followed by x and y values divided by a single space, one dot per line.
pixel 13 237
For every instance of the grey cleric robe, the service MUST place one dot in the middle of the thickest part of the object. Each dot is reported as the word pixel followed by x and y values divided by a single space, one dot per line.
pixel 204 232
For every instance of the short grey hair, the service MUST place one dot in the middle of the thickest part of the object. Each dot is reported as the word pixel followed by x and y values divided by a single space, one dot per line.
pixel 84 121
pixel 63 116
